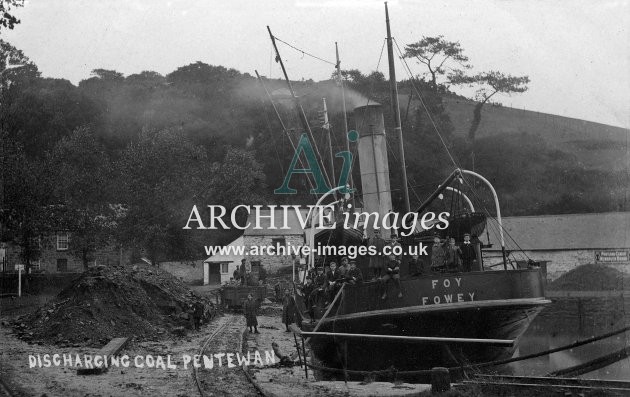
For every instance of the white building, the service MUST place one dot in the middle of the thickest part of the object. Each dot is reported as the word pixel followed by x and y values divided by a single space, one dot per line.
pixel 219 268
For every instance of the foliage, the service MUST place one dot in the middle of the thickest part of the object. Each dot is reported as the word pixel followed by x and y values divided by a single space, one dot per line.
pixel 25 208
pixel 7 19
pixel 438 55
pixel 163 175
pixel 122 159
pixel 81 172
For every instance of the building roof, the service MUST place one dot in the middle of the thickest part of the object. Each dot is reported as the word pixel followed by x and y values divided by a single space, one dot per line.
pixel 292 223
pixel 227 258
pixel 572 231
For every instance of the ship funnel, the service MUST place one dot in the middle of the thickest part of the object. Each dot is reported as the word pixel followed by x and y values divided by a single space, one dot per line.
pixel 373 159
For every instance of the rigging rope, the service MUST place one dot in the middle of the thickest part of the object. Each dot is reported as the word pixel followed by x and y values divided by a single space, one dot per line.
pixel 304 52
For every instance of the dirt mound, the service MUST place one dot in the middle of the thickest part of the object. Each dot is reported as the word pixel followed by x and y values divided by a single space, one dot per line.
pixel 137 301
pixel 591 277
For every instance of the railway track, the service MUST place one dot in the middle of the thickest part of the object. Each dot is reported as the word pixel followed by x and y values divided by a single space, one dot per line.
pixel 551 385
pixel 226 337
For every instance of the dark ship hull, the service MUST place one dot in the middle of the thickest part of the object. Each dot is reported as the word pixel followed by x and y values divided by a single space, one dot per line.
pixel 477 305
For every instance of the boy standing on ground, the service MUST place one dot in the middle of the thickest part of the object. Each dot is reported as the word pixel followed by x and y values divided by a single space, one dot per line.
pixel 251 311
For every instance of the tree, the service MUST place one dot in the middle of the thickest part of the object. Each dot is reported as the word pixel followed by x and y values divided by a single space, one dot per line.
pixel 82 172
pixel 161 177
pixel 7 19
pixel 15 66
pixel 26 210
pixel 489 84
pixel 438 55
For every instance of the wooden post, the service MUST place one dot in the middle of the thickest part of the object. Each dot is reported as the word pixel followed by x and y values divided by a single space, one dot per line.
pixel 297 347
pixel 440 380
pixel 304 355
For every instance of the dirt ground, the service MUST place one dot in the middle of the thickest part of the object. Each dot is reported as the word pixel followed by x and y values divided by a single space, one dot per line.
pixel 133 381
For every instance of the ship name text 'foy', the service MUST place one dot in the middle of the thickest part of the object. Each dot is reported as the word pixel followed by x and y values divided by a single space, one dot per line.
pixel 446 290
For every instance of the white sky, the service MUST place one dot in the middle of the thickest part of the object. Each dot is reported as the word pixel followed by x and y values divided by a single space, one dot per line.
pixel 576 53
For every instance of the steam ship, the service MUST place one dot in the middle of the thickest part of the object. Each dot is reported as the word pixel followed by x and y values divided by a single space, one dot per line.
pixel 442 319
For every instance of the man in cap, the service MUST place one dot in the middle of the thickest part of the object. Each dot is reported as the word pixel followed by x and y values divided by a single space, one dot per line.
pixel 354 275
pixel 468 253
pixel 343 267
pixel 453 256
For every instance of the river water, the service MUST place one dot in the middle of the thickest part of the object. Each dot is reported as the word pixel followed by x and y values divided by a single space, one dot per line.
pixel 568 320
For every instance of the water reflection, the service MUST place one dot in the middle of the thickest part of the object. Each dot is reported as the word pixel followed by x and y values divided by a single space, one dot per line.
pixel 568 320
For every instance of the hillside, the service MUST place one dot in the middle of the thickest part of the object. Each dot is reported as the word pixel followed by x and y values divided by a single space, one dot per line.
pixel 160 144
pixel 596 145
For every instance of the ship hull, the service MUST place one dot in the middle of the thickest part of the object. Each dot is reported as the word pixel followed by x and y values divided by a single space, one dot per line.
pixel 478 305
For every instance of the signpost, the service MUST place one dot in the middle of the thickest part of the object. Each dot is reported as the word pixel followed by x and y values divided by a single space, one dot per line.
pixel 612 256
pixel 19 269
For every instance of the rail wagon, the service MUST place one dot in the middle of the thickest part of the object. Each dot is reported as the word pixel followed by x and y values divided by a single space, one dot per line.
pixel 232 297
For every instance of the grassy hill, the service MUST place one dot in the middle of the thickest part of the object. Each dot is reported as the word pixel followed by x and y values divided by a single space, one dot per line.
pixel 595 145
pixel 539 163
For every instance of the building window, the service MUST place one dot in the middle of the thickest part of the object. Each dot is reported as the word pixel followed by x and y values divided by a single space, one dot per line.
pixel 62 265
pixel 278 241
pixel 224 268
pixel 62 242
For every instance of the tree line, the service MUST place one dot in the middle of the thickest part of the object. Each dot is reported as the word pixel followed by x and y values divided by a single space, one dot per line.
pixel 121 159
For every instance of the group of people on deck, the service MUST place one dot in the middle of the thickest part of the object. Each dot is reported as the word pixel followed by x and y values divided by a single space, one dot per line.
pixel 323 284
pixel 385 268
pixel 446 256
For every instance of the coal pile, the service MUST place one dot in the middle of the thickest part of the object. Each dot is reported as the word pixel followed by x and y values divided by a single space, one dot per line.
pixel 140 301
pixel 592 277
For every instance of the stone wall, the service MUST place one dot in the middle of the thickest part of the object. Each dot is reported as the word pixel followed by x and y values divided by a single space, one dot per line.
pixel 272 263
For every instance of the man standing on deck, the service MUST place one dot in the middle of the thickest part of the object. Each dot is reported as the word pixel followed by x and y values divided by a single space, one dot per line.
pixel 343 268
pixel 377 261
pixel 438 255
pixel 468 253
pixel 453 256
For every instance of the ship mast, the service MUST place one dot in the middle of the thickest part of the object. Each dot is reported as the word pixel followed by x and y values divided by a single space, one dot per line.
pixel 345 113
pixel 396 109
pixel 298 106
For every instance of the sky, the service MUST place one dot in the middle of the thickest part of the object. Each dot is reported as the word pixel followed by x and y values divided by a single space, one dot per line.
pixel 576 53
